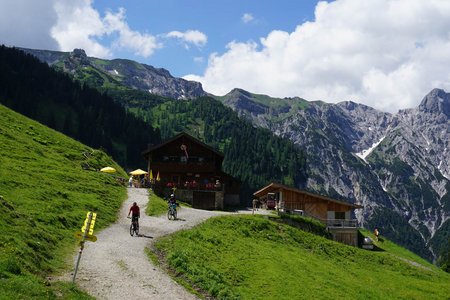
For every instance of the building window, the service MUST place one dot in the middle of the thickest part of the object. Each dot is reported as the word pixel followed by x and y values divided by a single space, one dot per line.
pixel 339 215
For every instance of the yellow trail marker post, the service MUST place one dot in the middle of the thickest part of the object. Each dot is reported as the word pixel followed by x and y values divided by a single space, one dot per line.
pixel 87 232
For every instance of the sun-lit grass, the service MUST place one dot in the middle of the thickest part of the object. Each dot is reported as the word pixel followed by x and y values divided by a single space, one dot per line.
pixel 251 257
pixel 396 250
pixel 156 205
pixel 48 182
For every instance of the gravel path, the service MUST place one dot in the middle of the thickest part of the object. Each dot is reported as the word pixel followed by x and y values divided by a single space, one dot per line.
pixel 116 266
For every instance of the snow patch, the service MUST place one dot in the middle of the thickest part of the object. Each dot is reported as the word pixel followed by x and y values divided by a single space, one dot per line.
pixel 150 91
pixel 363 154
pixel 443 174
pixel 115 72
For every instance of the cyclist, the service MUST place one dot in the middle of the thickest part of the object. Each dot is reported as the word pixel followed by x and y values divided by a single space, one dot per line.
pixel 172 202
pixel 135 213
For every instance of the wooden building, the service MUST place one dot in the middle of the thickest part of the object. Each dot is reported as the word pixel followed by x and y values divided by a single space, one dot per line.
pixel 194 170
pixel 335 214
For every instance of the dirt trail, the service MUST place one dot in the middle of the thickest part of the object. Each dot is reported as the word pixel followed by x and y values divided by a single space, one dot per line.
pixel 116 266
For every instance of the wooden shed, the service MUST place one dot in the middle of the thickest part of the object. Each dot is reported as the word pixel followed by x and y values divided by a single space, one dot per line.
pixel 335 214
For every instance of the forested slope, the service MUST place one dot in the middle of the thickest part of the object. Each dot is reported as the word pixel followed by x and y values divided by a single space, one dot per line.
pixel 54 99
pixel 254 155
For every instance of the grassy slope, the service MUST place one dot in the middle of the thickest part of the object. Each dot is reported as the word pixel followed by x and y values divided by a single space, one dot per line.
pixel 156 205
pixel 250 257
pixel 46 196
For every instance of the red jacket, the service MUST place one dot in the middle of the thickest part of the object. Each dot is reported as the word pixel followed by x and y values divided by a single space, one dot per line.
pixel 134 210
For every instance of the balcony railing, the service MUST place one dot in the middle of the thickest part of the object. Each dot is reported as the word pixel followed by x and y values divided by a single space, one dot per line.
pixel 341 223
pixel 192 186
pixel 331 222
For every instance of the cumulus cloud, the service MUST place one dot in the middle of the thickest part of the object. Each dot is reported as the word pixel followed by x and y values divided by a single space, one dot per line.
pixel 247 17
pixel 199 59
pixel 65 25
pixel 142 44
pixel 385 53
pixel 20 27
pixel 79 25
pixel 190 36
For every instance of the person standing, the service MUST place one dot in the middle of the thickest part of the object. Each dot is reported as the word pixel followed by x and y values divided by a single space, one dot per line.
pixel 130 181
pixel 255 204
pixel 376 233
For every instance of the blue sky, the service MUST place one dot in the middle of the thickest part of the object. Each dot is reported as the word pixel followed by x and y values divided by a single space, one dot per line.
pixel 221 21
pixel 387 54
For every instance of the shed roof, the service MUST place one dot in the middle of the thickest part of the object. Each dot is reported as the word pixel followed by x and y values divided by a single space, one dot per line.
pixel 277 186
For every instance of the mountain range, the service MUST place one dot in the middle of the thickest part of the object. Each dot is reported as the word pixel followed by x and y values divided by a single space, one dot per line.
pixel 397 166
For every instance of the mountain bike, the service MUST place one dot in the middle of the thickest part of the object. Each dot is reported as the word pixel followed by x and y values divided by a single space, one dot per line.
pixel 172 211
pixel 134 227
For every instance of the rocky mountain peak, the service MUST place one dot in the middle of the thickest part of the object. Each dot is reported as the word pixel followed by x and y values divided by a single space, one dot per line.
pixel 80 56
pixel 436 102
pixel 241 100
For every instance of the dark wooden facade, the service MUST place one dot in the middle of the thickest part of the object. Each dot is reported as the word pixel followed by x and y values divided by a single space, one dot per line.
pixel 195 170
pixel 335 214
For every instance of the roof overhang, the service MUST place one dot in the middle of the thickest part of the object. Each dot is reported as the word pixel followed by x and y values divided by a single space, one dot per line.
pixel 274 187
pixel 182 134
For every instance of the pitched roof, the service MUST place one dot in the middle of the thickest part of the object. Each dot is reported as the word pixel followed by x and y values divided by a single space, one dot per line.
pixel 275 186
pixel 182 134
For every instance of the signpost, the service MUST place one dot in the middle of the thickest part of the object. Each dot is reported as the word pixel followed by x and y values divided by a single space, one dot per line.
pixel 87 233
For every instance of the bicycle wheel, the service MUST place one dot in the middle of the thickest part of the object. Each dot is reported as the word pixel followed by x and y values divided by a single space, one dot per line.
pixel 131 229
pixel 174 214
pixel 136 229
pixel 169 215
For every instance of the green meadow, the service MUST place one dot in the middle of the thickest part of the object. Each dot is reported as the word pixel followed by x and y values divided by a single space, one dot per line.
pixel 252 257
pixel 48 182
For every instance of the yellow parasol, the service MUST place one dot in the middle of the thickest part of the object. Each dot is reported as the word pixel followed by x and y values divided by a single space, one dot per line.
pixel 138 172
pixel 157 177
pixel 108 170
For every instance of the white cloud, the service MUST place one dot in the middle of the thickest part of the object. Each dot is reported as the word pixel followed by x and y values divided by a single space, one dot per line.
pixel 78 25
pixel 190 36
pixel 385 53
pixel 20 27
pixel 81 26
pixel 142 44
pixel 247 17
pixel 199 59
pixel 65 25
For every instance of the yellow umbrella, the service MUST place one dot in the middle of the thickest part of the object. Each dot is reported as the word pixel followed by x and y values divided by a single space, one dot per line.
pixel 108 170
pixel 138 172
pixel 151 175
pixel 157 177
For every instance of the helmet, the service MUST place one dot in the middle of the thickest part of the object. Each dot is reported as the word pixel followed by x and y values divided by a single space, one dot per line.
pixel 171 195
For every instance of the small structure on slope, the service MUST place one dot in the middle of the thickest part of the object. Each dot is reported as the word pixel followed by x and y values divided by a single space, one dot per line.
pixel 335 214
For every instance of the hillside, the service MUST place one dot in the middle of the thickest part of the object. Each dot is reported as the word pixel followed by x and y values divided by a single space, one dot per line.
pixel 251 257
pixel 47 184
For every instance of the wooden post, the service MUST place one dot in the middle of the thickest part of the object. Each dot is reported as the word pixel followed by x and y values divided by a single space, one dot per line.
pixel 83 239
